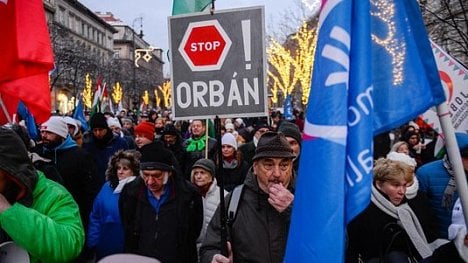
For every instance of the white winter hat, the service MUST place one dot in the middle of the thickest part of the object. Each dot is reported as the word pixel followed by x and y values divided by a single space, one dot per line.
pixel 57 125
pixel 229 139
pixel 229 126
pixel 70 121
pixel 402 157
pixel 113 122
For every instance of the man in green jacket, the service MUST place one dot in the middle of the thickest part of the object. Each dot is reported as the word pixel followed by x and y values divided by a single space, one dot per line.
pixel 37 214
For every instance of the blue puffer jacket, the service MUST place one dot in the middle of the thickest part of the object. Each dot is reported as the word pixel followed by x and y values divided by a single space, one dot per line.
pixel 433 179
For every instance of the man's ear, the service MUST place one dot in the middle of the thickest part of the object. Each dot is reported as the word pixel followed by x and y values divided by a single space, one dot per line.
pixel 255 167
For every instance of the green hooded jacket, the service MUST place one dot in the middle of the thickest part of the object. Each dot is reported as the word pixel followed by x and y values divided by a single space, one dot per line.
pixel 45 221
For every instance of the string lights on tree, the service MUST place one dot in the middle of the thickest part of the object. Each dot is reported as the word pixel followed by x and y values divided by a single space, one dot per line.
pixel 145 97
pixel 166 93
pixel 87 92
pixel 117 92
pixel 291 65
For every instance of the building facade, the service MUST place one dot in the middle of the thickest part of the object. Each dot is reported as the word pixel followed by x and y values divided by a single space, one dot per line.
pixel 82 44
pixel 101 46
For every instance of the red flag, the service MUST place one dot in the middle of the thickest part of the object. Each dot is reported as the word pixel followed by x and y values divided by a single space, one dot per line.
pixel 26 58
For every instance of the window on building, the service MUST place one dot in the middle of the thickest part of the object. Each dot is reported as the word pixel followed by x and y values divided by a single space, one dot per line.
pixel 117 53
pixel 78 25
pixel 71 21
pixel 61 15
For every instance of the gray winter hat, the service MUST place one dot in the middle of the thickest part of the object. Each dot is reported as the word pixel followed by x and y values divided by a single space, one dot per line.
pixel 206 164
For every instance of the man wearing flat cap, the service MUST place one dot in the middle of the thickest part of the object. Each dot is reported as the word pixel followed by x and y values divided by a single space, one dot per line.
pixel 260 228
pixel 162 214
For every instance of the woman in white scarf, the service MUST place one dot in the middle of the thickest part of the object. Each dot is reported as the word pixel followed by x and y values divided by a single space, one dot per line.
pixel 390 228
pixel 105 231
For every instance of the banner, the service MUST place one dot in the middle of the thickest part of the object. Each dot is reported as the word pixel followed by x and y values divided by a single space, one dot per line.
pixel 454 78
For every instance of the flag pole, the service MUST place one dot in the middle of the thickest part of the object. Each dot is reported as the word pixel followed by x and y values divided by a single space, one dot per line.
pixel 5 111
pixel 454 155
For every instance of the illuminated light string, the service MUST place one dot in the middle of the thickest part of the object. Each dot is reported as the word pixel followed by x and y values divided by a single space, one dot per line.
pixel 117 92
pixel 166 93
pixel 396 49
pixel 145 98
pixel 292 68
pixel 87 91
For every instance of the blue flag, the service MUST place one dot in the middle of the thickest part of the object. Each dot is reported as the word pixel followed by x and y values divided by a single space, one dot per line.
pixel 288 108
pixel 78 114
pixel 373 71
pixel 29 120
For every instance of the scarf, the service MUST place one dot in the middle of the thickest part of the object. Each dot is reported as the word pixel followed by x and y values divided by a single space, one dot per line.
pixel 122 183
pixel 412 190
pixel 447 199
pixel 196 145
pixel 408 220
pixel 232 164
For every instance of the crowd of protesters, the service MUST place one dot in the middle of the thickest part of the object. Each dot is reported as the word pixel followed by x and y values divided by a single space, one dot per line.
pixel 148 185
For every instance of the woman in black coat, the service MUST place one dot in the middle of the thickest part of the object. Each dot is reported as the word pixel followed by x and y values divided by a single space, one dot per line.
pixel 389 228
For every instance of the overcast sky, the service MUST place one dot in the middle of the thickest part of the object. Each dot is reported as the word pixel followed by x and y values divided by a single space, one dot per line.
pixel 155 13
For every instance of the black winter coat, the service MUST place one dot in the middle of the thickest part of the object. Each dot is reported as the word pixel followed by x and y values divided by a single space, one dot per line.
pixel 171 234
pixel 259 232
pixel 371 233
pixel 78 171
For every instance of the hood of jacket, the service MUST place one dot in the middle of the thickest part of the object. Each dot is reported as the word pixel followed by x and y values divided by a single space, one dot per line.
pixel 14 160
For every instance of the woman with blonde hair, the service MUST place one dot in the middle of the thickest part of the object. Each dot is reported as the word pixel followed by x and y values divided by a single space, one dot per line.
pixel 389 229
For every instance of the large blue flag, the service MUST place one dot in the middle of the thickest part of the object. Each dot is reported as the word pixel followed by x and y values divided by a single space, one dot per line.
pixel 78 114
pixel 373 71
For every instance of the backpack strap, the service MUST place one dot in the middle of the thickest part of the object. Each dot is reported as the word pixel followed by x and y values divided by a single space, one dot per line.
pixel 234 204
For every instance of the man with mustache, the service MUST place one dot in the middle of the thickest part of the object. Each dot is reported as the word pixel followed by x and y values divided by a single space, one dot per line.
pixel 260 229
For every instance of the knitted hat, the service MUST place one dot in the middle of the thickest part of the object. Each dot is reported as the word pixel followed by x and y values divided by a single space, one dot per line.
pixel 127 120
pixel 229 126
pixel 245 134
pixel 155 156
pixel 113 122
pixel 261 124
pixel 170 129
pixel 273 145
pixel 206 164
pixel 291 130
pixel 98 120
pixel 402 157
pixel 229 139
pixel 57 125
pixel 145 129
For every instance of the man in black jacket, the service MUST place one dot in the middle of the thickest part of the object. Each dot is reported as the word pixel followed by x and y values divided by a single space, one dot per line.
pixel 162 213
pixel 75 165
pixel 260 228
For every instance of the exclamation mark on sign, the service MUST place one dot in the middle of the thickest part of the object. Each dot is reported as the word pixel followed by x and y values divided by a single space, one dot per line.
pixel 246 38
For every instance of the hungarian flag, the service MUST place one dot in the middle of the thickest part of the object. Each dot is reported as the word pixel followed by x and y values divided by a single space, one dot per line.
pixel 26 58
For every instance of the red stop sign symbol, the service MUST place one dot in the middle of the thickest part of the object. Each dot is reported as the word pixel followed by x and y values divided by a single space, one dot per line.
pixel 205 45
